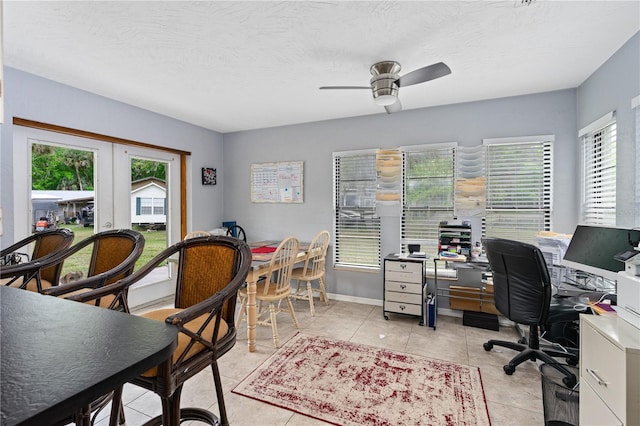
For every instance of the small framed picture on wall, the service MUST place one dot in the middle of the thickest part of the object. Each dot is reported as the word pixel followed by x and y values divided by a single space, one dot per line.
pixel 208 176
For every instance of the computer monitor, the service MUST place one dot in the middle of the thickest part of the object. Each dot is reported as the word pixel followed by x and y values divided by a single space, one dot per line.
pixel 592 249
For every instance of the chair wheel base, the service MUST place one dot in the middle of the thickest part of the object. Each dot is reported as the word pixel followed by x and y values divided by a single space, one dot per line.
pixel 186 414
pixel 570 382
pixel 487 346
pixel 509 369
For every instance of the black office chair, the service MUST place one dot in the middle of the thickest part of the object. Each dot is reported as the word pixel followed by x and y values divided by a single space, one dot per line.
pixel 522 291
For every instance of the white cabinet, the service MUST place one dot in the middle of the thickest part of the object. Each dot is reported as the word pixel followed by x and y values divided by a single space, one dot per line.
pixel 403 286
pixel 609 371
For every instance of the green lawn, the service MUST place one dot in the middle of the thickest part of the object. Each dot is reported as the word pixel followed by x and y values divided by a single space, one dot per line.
pixel 155 242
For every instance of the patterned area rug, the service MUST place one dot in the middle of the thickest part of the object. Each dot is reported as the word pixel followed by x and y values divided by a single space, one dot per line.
pixel 349 384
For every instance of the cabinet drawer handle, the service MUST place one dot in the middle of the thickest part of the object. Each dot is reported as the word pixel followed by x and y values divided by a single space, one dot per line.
pixel 597 378
pixel 403 286
pixel 403 266
pixel 402 307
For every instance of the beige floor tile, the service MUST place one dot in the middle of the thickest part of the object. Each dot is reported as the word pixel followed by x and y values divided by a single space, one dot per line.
pixel 244 411
pixel 506 415
pixel 511 400
pixel 523 389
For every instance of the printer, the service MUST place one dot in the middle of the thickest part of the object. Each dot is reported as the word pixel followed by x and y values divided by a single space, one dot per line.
pixel 628 287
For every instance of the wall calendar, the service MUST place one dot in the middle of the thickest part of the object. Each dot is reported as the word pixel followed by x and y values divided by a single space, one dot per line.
pixel 277 182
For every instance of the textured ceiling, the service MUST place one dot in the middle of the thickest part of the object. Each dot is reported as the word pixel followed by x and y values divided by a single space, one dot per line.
pixel 231 66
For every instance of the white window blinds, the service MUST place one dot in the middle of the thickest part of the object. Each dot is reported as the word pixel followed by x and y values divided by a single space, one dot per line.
pixel 519 190
pixel 356 226
pixel 428 194
pixel 598 144
pixel 635 103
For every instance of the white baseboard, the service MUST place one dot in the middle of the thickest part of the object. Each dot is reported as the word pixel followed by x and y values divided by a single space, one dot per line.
pixel 354 299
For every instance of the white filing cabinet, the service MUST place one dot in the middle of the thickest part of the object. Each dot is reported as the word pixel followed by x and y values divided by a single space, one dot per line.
pixel 404 279
pixel 609 371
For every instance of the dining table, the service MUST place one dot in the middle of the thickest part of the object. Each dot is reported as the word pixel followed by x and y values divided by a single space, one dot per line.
pixel 58 356
pixel 262 253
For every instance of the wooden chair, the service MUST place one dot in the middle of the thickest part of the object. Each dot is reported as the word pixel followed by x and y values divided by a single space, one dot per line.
pixel 313 270
pixel 209 272
pixel 275 288
pixel 45 244
pixel 194 234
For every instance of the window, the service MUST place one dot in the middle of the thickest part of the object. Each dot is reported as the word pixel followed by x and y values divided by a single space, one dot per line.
pixel 518 191
pixel 357 228
pixel 146 205
pixel 428 194
pixel 635 103
pixel 158 206
pixel 150 206
pixel 598 144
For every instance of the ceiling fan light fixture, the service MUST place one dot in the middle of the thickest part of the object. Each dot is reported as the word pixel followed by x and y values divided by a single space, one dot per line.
pixel 385 100
pixel 385 88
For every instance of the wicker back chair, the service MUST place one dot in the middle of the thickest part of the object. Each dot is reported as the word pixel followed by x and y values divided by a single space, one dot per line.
pixel 209 272
pixel 275 288
pixel 313 270
pixel 113 256
pixel 18 269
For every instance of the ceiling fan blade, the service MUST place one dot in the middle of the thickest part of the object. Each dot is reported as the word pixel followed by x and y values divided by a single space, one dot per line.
pixel 344 87
pixel 427 73
pixel 394 107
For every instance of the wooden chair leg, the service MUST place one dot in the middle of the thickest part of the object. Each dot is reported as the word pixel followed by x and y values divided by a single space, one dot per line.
pixel 274 325
pixel 310 297
pixel 323 291
pixel 243 311
pixel 293 313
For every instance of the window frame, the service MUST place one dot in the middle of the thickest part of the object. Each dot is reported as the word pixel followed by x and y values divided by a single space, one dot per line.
pixel 635 105
pixel 344 255
pixel 598 151
pixel 410 231
pixel 527 229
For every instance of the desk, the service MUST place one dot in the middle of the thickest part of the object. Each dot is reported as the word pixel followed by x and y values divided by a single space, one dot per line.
pixel 58 356
pixel 260 267
pixel 463 293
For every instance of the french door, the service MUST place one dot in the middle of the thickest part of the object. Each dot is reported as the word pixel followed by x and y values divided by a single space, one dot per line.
pixel 113 195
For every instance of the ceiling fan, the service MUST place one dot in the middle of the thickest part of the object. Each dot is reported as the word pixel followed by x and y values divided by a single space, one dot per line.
pixel 386 82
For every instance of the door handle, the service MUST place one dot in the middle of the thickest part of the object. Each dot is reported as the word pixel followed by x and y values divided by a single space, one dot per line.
pixel 108 225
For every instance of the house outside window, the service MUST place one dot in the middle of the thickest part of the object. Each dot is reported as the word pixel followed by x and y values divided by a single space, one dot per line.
pixel 146 206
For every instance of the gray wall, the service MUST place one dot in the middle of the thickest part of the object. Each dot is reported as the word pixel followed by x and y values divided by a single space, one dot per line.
pixel 611 88
pixel 560 113
pixel 313 143
pixel 34 98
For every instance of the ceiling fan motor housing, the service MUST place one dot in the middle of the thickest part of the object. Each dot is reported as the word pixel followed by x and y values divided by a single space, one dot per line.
pixel 384 82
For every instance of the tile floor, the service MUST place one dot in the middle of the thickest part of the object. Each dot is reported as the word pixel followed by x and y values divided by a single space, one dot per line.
pixel 512 400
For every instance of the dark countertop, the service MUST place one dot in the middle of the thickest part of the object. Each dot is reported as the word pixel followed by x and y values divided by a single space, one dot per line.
pixel 58 356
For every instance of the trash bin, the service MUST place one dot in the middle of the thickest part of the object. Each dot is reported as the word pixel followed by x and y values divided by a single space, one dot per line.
pixel 560 403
